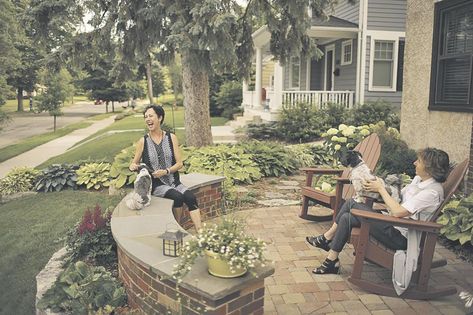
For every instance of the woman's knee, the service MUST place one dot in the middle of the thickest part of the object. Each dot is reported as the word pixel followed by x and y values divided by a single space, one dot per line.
pixel 176 196
pixel 190 200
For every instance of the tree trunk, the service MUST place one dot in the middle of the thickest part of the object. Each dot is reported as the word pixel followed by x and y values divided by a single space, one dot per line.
pixel 195 84
pixel 54 123
pixel 20 99
pixel 113 107
pixel 149 79
pixel 106 106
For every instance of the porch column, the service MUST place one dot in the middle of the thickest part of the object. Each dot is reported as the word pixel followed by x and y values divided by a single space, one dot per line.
pixel 258 83
pixel 276 102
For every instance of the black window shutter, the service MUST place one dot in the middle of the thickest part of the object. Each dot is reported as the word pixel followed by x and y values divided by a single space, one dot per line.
pixel 400 65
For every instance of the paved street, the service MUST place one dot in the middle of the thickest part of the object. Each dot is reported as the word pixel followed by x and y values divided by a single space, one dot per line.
pixel 27 125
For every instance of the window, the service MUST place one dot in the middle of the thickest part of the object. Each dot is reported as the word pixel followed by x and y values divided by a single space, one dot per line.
pixel 382 64
pixel 294 74
pixel 347 50
pixel 452 53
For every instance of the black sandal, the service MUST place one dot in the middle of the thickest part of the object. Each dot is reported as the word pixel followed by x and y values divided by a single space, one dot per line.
pixel 328 267
pixel 319 241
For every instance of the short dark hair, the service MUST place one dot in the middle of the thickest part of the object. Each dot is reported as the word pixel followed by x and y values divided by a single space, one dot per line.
pixel 436 163
pixel 158 109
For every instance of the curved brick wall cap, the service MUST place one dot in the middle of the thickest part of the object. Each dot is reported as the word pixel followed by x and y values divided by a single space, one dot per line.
pixel 136 233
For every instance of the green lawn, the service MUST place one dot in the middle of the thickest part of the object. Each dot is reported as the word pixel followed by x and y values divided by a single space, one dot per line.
pixel 102 148
pixel 32 229
pixel 32 142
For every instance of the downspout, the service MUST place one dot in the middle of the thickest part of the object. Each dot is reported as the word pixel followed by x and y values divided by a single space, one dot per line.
pixel 363 51
pixel 358 54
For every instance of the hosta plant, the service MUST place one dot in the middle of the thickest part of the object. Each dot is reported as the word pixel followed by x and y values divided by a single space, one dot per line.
pixel 229 240
pixel 83 289
pixel 57 177
pixel 119 170
pixel 94 175
pixel 272 158
pixel 19 179
pixel 457 220
pixel 231 162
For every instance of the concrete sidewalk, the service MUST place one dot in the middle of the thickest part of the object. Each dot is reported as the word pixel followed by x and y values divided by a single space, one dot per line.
pixel 53 148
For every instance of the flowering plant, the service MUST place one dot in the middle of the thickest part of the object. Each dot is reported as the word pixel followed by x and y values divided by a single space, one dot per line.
pixel 227 238
pixel 345 137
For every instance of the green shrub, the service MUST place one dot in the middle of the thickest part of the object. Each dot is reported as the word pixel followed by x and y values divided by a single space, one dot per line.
pixel 119 170
pixel 91 239
pixel 264 131
pixel 335 114
pixel 302 122
pixel 321 157
pixel 396 157
pixel 19 179
pixel 457 220
pixel 272 158
pixel 94 175
pixel 57 177
pixel 82 289
pixel 302 153
pixel 228 99
pixel 372 113
pixel 231 162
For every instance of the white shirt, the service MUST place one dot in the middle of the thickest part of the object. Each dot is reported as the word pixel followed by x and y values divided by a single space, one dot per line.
pixel 421 199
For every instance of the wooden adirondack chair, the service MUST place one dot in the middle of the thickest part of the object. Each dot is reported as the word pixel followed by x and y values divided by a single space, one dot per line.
pixel 370 149
pixel 367 248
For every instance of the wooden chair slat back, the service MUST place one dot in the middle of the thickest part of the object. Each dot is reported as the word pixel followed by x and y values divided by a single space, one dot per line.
pixel 454 179
pixel 370 149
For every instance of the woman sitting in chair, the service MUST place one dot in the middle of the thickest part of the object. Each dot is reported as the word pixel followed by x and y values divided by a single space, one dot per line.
pixel 420 199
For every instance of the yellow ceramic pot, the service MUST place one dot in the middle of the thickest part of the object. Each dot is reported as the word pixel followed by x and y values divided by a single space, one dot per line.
pixel 220 268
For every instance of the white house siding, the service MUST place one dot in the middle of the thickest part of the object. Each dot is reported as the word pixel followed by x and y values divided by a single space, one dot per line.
pixel 347 11
pixel 347 78
pixel 387 15
pixel 394 98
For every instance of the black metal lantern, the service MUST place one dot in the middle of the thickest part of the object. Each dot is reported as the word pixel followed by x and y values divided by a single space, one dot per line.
pixel 172 242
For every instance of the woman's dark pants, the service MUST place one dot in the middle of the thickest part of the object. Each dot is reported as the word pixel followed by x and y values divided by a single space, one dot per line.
pixel 383 232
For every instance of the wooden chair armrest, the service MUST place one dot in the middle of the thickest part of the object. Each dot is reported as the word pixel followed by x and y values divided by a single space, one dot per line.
pixel 342 180
pixel 323 171
pixel 367 216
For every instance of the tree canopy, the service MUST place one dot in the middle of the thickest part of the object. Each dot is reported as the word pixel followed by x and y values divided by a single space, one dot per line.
pixel 210 36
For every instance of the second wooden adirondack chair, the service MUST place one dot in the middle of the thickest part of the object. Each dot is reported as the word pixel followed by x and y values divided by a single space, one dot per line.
pixel 370 149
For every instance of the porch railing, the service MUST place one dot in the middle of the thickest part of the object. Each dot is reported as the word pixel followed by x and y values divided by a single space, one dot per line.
pixel 318 98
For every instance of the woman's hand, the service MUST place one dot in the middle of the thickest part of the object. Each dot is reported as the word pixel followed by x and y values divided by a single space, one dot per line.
pixel 375 185
pixel 159 173
pixel 133 167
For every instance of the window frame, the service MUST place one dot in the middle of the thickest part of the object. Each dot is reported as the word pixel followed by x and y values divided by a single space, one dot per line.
pixel 345 43
pixel 384 38
pixel 434 105
pixel 292 63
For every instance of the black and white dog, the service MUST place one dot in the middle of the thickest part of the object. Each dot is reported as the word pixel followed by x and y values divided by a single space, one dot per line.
pixel 360 172
pixel 141 195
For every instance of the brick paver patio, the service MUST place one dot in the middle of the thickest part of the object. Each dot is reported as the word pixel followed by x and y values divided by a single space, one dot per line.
pixel 293 289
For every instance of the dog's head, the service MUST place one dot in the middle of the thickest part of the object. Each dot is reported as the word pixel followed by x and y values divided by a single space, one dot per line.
pixel 350 158
pixel 143 166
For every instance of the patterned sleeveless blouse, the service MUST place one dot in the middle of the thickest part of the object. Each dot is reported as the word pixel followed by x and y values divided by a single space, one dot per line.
pixel 161 156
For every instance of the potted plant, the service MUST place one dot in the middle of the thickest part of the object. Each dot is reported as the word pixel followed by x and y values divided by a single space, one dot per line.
pixel 230 252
